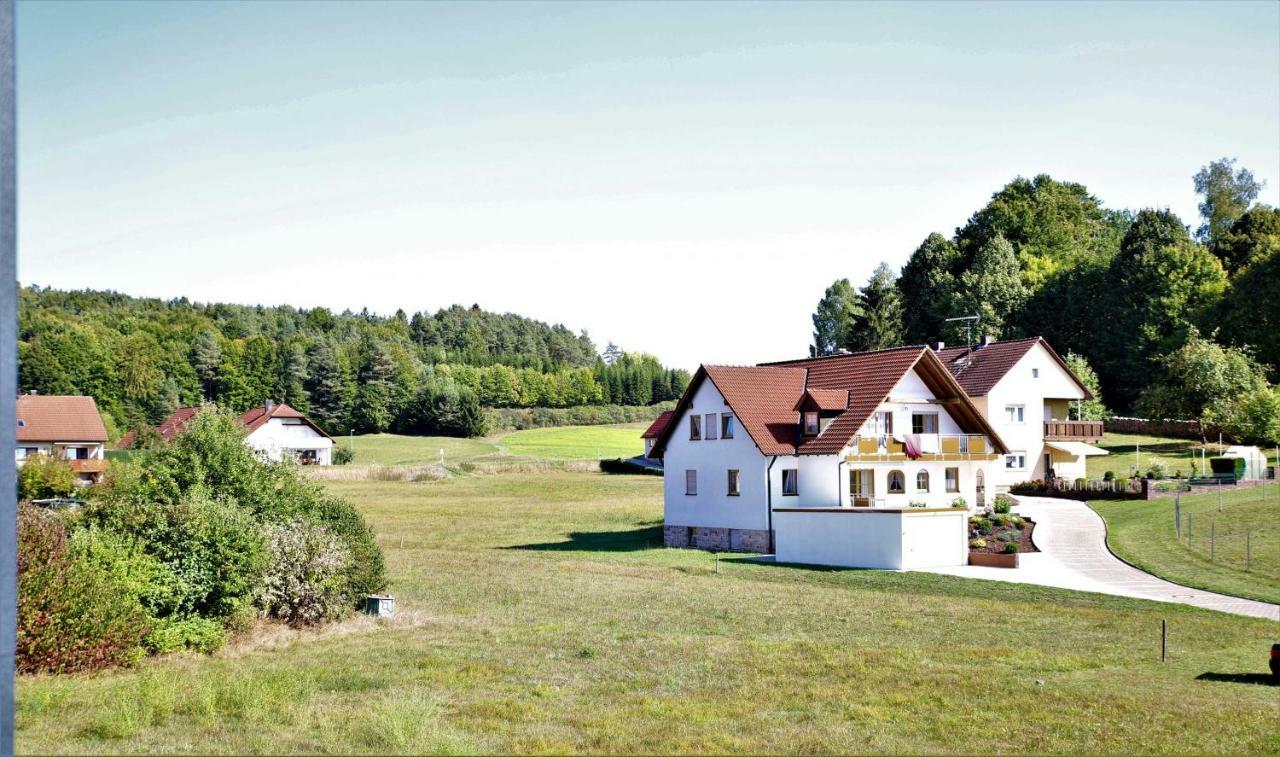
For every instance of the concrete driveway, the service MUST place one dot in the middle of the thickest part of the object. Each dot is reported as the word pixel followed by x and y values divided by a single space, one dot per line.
pixel 1074 555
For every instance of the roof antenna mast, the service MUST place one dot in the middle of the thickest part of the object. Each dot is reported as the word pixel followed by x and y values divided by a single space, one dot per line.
pixel 969 322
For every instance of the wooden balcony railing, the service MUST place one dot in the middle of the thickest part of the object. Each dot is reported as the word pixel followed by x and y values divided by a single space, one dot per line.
pixel 1073 431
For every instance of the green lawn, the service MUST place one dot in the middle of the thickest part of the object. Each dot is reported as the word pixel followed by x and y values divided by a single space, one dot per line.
pixel 577 442
pixel 1128 450
pixel 394 449
pixel 537 616
pixel 1211 553
pixel 561 443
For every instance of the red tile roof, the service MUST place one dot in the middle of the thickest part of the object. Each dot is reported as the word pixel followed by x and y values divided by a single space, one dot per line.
pixel 828 399
pixel 658 424
pixel 56 418
pixel 766 397
pixel 763 399
pixel 979 370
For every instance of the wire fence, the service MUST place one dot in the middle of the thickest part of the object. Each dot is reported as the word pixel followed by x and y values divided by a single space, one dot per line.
pixel 1212 530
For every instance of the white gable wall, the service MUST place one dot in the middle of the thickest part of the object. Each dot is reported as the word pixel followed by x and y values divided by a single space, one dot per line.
pixel 1020 386
pixel 712 507
pixel 285 437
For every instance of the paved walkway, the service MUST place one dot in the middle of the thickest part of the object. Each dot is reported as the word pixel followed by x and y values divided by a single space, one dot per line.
pixel 1074 555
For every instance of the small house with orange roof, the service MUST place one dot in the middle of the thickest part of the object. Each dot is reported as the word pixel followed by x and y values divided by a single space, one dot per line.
pixel 66 427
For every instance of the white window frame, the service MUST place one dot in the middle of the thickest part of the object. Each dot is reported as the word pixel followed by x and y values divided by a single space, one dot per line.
pixel 709 427
pixel 691 483
pixel 726 425
pixel 795 482
pixel 1019 457
pixel 695 428
pixel 733 483
pixel 1015 415
pixel 925 473
pixel 817 423
pixel 888 482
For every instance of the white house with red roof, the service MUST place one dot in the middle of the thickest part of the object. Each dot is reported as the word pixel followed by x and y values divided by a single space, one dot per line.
pixel 655 430
pixel 275 432
pixel 1025 390
pixel 66 427
pixel 872 459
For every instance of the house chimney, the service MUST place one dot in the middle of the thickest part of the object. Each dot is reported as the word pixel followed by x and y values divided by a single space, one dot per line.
pixel 268 405
pixel 842 351
pixel 940 346
pixel 987 339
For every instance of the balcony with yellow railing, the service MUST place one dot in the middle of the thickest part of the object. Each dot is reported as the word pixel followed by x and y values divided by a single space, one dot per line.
pixel 938 446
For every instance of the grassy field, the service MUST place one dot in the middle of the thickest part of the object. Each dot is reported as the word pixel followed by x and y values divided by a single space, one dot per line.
pixel 1128 450
pixel 561 443
pixel 1211 553
pixel 536 615
pixel 577 442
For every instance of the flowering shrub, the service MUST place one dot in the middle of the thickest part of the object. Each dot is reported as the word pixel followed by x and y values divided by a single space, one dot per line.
pixel 306 580
pixel 72 615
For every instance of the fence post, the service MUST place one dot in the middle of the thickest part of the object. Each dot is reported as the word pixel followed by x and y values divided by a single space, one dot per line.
pixel 1177 515
pixel 1219 496
pixel 1163 638
pixel 1246 551
pixel 1213 530
pixel 1188 530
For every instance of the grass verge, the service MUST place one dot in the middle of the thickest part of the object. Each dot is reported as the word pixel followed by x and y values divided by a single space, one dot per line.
pixel 1211 553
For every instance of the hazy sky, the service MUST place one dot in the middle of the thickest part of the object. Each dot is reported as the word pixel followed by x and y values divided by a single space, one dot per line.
pixel 681 179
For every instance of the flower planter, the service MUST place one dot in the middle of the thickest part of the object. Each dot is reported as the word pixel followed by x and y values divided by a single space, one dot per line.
pixel 993 560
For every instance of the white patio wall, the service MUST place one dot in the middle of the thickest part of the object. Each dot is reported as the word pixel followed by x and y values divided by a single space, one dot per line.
pixel 886 539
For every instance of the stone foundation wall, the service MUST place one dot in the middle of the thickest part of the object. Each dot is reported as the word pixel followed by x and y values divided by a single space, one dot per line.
pixel 675 536
pixel 716 539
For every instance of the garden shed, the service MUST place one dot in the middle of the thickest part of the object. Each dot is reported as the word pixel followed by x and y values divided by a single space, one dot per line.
pixel 1255 462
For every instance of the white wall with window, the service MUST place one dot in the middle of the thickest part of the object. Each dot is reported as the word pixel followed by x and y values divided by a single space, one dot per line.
pixel 721 446
pixel 1034 390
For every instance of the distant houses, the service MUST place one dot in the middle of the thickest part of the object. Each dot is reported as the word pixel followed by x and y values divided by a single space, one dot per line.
pixel 275 432
pixel 65 427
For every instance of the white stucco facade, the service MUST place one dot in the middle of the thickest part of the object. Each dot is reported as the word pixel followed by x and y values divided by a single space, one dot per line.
pixel 285 437
pixel 711 460
pixel 1036 389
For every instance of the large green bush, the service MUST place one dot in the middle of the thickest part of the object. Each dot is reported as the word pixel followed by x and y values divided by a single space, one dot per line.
pixel 72 614
pixel 44 476
pixel 208 487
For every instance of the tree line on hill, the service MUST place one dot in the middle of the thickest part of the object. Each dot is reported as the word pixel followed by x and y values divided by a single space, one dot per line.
pixel 141 358
pixel 1176 323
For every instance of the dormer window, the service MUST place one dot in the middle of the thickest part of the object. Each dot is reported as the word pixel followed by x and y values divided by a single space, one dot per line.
pixel 811 423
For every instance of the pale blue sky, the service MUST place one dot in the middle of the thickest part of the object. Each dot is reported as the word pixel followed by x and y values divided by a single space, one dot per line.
pixel 683 179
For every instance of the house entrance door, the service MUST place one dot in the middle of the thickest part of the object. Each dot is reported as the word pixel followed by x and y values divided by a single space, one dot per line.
pixel 981 489
pixel 862 487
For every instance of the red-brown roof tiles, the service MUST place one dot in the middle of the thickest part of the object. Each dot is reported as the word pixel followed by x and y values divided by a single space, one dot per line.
pixel 658 424
pixel 766 397
pixel 57 418
pixel 764 400
pixel 828 399
pixel 979 370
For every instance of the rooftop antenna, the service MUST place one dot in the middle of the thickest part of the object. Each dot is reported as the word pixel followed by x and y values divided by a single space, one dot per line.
pixel 969 322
